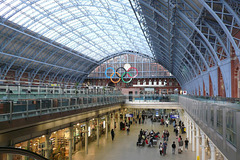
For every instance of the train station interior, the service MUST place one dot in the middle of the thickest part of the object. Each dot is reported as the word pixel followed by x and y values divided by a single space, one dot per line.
pixel 119 79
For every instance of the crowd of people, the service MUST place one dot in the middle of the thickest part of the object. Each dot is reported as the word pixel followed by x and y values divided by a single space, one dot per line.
pixel 150 138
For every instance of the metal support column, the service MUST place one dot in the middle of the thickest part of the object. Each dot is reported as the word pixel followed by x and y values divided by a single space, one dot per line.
pixel 47 146
pixel 203 145
pixel 212 148
pixel 197 142
pixel 106 125
pixel 97 119
pixel 70 142
pixel 86 137
pixel 193 137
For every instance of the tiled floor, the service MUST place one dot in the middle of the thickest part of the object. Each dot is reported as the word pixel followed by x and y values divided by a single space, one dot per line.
pixel 124 146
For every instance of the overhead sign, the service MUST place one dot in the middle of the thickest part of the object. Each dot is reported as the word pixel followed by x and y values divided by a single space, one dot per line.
pixel 129 115
pixel 174 116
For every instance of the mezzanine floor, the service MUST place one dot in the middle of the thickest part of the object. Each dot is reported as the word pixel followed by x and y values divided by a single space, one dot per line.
pixel 124 146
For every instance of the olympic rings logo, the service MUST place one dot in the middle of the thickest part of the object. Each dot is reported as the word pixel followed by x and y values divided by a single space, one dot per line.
pixel 120 77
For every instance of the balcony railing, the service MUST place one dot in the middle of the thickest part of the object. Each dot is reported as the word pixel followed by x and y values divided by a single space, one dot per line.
pixel 152 98
pixel 215 113
pixel 10 110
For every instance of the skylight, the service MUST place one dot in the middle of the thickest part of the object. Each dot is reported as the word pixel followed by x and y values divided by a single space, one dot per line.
pixel 95 28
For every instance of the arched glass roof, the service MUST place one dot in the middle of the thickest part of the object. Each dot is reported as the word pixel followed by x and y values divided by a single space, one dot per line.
pixel 93 28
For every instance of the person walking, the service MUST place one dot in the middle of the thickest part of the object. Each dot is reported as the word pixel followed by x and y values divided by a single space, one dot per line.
pixel 161 149
pixel 113 134
pixel 128 129
pixel 167 135
pixel 164 148
pixel 173 147
pixel 180 143
pixel 186 144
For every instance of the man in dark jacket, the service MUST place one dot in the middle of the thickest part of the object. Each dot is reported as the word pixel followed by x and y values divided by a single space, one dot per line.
pixel 113 134
pixel 173 147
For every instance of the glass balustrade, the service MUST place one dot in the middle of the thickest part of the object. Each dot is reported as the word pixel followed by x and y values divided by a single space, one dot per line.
pixel 10 109
pixel 216 113
pixel 152 98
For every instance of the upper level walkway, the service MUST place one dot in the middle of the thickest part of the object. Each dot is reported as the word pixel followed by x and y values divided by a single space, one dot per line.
pixel 219 119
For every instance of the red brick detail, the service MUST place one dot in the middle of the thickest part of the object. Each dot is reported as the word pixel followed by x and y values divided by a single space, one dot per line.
pixel 210 86
pixel 204 91
pixel 221 87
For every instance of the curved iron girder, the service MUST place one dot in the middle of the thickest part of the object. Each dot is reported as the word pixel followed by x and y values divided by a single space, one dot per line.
pixel 215 58
pixel 40 66
pixel 185 78
pixel 40 51
pixel 179 66
pixel 13 61
pixel 67 73
pixel 217 36
pixel 199 68
pixel 201 46
pixel 50 44
pixel 153 20
pixel 155 10
pixel 194 69
pixel 199 53
pixel 163 37
pixel 27 59
pixel 220 22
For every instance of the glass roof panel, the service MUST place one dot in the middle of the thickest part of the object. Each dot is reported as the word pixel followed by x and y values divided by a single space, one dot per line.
pixel 93 28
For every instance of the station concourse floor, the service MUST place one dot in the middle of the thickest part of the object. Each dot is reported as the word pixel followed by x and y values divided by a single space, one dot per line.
pixel 124 146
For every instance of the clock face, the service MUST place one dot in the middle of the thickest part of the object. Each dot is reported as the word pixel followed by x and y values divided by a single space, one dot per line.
pixel 127 66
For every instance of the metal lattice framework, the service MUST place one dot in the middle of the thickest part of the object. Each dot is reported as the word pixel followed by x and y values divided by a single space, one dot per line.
pixel 201 38
pixel 64 41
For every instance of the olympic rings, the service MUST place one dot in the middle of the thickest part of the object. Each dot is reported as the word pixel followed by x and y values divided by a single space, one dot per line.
pixel 108 69
pixel 124 72
pixel 117 80
pixel 121 76
pixel 129 76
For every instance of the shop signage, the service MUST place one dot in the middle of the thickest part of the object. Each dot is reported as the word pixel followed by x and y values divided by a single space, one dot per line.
pixel 174 116
pixel 129 115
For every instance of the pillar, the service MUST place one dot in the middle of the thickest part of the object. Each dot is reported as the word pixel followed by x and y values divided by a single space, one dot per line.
pixel 97 119
pixel 193 137
pixel 197 142
pixel 113 120
pixel 203 145
pixel 190 131
pixel 187 130
pixel 28 148
pixel 119 119
pixel 123 115
pixel 212 148
pixel 9 155
pixel 47 146
pixel 106 125
pixel 86 137
pixel 70 142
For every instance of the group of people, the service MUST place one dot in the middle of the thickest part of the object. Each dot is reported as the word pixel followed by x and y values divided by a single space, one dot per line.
pixel 178 128
pixel 146 137
pixel 163 146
